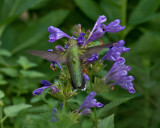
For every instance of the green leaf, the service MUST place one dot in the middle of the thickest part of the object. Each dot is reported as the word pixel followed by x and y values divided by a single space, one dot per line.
pixel 107 122
pixel 111 10
pixel 103 111
pixel 90 8
pixel 31 74
pixel 1 94
pixel 149 41
pixel 12 111
pixel 9 71
pixel 25 63
pixel 2 81
pixel 144 11
pixel 4 52
pixel 38 30
pixel 10 9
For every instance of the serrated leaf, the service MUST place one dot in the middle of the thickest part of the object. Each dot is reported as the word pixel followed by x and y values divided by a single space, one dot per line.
pixel 12 111
pixel 144 11
pixel 9 71
pixel 103 111
pixel 1 94
pixel 25 63
pixel 90 8
pixel 31 74
pixel 107 122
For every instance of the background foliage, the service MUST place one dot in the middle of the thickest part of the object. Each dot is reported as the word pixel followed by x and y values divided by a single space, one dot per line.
pixel 23 26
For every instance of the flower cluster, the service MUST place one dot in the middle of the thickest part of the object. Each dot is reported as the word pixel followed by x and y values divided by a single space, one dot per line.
pixel 119 71
pixel 88 103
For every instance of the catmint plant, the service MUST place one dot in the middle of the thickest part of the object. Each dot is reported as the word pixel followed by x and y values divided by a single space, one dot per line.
pixel 81 62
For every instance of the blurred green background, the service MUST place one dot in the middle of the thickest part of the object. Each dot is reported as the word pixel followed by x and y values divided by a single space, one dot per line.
pixel 23 26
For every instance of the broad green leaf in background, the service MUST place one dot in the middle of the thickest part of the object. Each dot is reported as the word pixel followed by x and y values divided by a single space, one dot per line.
pixel 103 111
pixel 151 41
pixel 25 63
pixel 9 71
pixel 4 52
pixel 2 81
pixel 9 9
pixel 111 9
pixel 107 122
pixel 1 94
pixel 31 74
pixel 89 8
pixel 144 11
pixel 12 111
pixel 37 30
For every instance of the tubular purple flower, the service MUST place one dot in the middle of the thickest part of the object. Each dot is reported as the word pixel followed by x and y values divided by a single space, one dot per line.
pixel 46 84
pixel 86 77
pixel 81 39
pixel 56 34
pixel 114 53
pixel 118 74
pixel 98 23
pixel 89 102
pixel 113 26
pixel 97 34
pixel 93 58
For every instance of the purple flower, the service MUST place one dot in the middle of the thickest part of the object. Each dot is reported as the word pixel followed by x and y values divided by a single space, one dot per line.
pixel 54 114
pixel 115 52
pixel 81 39
pixel 118 74
pixel 56 34
pixel 93 58
pixel 46 84
pixel 97 34
pixel 113 26
pixel 86 77
pixel 89 102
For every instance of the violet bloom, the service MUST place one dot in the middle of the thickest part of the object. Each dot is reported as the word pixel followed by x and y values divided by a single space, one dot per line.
pixel 114 53
pixel 92 58
pixel 81 39
pixel 118 75
pixel 89 102
pixel 56 34
pixel 113 26
pixel 46 84
pixel 86 77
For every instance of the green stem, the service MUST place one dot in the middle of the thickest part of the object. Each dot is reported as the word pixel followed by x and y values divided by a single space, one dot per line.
pixel 95 118
pixel 64 104
pixel 90 80
pixel 124 14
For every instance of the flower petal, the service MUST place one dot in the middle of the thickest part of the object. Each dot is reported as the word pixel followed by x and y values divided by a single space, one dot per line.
pixel 46 83
pixel 39 91
pixel 56 34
